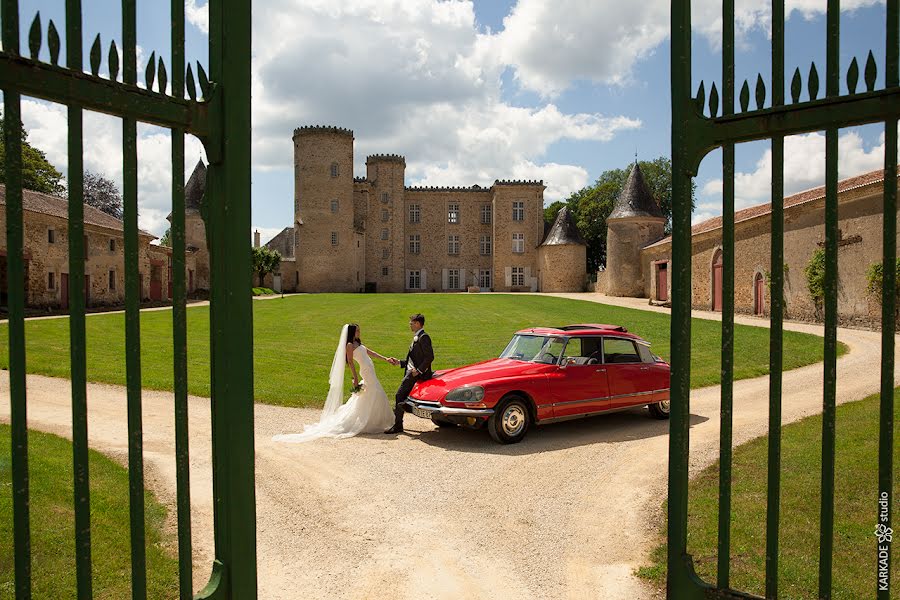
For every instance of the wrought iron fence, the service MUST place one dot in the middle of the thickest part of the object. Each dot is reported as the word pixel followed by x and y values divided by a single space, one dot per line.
pixel 221 120
pixel 701 124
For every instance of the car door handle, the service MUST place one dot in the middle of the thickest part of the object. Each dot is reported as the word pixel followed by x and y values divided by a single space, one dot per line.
pixel 601 370
pixel 645 368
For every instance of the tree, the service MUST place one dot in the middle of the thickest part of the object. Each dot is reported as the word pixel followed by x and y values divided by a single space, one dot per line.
pixel 552 211
pixel 102 193
pixel 265 260
pixel 37 172
pixel 592 205
pixel 166 239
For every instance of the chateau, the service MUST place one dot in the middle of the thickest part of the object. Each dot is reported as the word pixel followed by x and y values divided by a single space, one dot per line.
pixel 376 234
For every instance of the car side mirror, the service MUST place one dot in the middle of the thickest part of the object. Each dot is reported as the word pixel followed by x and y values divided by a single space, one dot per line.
pixel 569 361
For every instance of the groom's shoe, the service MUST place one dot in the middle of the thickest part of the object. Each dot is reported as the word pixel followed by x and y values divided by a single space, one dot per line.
pixel 397 428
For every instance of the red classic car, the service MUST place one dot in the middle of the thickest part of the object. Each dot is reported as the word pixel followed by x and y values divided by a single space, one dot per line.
pixel 547 374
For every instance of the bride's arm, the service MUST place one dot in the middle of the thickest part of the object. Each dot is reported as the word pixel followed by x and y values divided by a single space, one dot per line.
pixel 352 363
pixel 374 354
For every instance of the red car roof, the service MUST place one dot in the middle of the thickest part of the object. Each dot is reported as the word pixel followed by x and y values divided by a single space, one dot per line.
pixel 581 329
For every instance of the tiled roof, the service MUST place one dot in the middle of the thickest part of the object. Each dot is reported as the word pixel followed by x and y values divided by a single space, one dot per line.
pixel 55 206
pixel 195 188
pixel 564 231
pixel 759 210
pixel 635 199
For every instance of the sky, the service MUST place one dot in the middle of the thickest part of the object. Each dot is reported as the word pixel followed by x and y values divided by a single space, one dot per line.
pixel 471 91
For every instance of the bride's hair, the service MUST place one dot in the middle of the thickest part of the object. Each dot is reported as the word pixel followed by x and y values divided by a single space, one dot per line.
pixel 351 334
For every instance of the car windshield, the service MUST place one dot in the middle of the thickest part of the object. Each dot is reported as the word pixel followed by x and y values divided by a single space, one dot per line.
pixel 535 348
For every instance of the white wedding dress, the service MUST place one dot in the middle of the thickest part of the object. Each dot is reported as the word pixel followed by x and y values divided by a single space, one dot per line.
pixel 367 411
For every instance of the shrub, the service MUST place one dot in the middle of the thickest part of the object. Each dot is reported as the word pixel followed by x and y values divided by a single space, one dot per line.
pixel 815 276
pixel 875 276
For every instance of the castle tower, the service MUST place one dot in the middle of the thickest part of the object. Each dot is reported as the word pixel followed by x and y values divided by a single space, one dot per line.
pixel 327 246
pixel 385 222
pixel 562 257
pixel 635 221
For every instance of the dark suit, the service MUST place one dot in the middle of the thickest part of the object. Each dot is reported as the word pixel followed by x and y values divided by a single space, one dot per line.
pixel 420 356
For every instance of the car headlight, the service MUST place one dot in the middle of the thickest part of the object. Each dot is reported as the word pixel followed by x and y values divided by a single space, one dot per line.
pixel 466 394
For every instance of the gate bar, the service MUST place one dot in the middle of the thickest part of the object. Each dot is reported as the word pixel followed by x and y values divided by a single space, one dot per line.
pixel 727 367
pixel 15 279
pixel 179 320
pixel 77 335
pixel 776 313
pixel 132 317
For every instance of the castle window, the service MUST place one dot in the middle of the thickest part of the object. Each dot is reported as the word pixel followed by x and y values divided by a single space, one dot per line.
pixel 485 245
pixel 112 245
pixel 51 236
pixel 334 238
pixel 384 234
pixel 518 276
pixel 51 280
pixel 518 211
pixel 335 171
pixel 334 206
pixel 453 279
pixel 414 213
pixel 415 280
pixel 384 214
pixel 385 253
pixel 485 214
pixel 518 243
pixel 484 278
pixel 453 244
pixel 453 213
pixel 385 271
pixel 112 281
pixel 385 197
pixel 414 244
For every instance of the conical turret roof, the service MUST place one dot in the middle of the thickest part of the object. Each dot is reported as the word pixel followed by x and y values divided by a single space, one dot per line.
pixel 635 199
pixel 564 231
pixel 196 187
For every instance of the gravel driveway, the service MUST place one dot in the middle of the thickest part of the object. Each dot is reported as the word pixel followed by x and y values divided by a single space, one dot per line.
pixel 449 514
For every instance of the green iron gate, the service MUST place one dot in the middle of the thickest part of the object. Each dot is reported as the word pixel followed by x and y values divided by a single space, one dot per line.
pixel 699 126
pixel 221 120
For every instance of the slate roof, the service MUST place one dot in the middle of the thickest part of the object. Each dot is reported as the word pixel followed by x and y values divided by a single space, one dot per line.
pixel 564 231
pixel 195 188
pixel 759 210
pixel 635 200
pixel 54 206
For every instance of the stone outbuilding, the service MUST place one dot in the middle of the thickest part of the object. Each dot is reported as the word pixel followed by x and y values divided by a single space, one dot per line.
pixel 562 256
pixel 196 256
pixel 636 221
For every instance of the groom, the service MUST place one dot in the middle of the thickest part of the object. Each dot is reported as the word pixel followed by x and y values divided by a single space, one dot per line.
pixel 417 367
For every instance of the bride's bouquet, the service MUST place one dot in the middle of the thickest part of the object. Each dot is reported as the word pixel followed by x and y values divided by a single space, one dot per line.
pixel 358 387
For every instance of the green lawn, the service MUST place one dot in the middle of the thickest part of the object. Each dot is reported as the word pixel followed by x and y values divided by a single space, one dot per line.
pixel 53 529
pixel 295 339
pixel 856 492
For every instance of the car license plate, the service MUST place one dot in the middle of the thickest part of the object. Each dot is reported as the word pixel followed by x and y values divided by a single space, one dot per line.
pixel 425 414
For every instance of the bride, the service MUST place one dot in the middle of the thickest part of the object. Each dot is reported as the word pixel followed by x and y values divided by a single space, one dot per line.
pixel 366 411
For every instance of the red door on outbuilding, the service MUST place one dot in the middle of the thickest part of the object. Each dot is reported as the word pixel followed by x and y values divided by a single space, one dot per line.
pixel 759 295
pixel 662 282
pixel 717 281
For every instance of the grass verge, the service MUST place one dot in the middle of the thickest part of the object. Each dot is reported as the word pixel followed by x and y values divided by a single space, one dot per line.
pixel 856 494
pixel 53 528
pixel 295 337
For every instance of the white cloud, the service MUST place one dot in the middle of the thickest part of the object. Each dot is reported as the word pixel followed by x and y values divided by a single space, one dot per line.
pixel 47 126
pixel 265 233
pixel 552 44
pixel 414 78
pixel 804 168
pixel 197 15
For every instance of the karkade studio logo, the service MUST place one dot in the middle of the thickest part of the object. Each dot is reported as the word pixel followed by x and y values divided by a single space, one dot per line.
pixel 883 533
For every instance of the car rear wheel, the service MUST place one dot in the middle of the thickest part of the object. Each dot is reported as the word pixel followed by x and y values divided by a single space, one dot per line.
pixel 659 410
pixel 510 421
pixel 442 423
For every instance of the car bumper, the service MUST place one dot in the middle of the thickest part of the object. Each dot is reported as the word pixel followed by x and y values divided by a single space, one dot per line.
pixel 463 416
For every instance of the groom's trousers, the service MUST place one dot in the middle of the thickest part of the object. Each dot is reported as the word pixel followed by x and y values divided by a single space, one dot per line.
pixel 403 391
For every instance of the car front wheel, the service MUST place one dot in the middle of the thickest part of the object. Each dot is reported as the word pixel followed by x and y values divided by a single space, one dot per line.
pixel 660 410
pixel 510 421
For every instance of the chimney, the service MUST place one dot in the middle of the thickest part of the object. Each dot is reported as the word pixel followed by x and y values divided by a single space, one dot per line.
pixel 256 239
